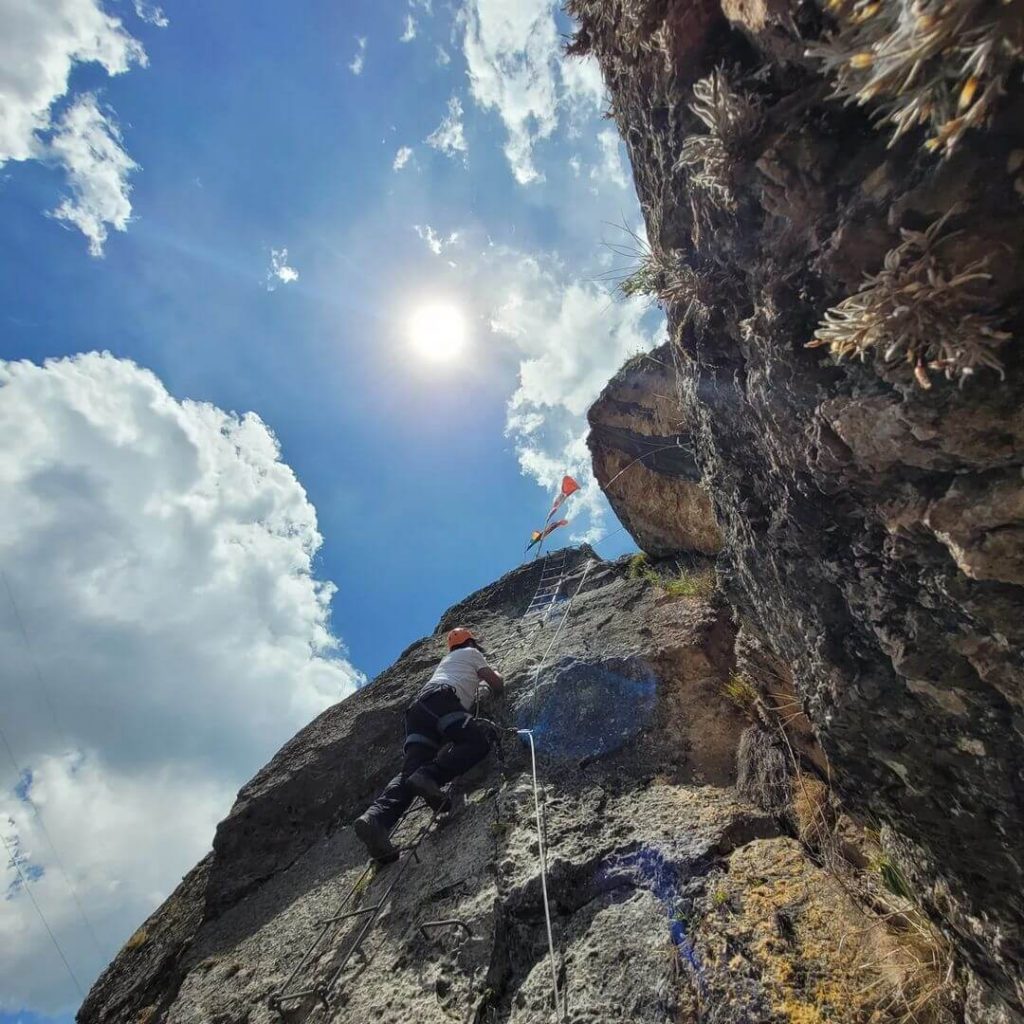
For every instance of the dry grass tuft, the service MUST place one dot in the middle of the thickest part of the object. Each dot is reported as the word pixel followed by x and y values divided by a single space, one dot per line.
pixel 762 770
pixel 922 307
pixel 138 938
pixel 813 812
pixel 663 276
pixel 940 64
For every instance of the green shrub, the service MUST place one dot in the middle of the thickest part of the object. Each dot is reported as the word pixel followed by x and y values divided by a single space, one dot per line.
pixel 640 568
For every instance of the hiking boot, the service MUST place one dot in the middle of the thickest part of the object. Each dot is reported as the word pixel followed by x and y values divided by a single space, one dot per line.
pixel 424 786
pixel 375 838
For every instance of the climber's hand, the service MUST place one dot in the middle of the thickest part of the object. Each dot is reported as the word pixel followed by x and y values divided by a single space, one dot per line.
pixel 493 679
pixel 483 693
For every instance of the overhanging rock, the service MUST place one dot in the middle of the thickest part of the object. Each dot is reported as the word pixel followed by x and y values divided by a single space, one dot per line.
pixel 643 460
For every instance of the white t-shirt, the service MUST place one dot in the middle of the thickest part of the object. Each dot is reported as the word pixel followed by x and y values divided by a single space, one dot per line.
pixel 458 669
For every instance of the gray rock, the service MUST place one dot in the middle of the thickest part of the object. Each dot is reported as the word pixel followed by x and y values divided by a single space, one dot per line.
pixel 872 531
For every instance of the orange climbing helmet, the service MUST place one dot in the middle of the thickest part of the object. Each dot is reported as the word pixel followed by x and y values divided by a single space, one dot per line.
pixel 459 635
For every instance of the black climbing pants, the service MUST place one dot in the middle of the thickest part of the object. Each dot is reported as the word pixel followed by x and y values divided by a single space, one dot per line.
pixel 441 739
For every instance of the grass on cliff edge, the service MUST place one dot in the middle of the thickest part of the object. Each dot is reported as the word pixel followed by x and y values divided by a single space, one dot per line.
pixel 687 583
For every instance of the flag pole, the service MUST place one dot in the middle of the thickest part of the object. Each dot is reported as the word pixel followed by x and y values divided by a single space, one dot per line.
pixel 540 546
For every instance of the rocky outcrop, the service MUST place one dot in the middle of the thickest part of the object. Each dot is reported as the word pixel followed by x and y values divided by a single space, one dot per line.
pixel 644 463
pixel 645 828
pixel 871 508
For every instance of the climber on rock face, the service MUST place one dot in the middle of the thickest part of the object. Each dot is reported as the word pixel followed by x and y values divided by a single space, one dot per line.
pixel 442 740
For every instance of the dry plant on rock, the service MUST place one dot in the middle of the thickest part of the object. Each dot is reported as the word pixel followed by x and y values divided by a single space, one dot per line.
pixel 941 64
pixel 763 775
pixel 664 276
pixel 732 117
pixel 924 308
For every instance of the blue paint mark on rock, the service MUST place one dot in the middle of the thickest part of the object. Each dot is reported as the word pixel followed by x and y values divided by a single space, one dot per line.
pixel 585 709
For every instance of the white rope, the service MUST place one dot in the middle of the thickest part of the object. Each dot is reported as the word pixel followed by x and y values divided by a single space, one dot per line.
pixel 543 872
pixel 541 845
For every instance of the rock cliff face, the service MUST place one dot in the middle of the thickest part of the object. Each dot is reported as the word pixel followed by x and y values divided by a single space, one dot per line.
pixel 871 511
pixel 793 798
pixel 674 898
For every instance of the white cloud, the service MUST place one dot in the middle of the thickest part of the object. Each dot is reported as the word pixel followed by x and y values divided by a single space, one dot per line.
pixel 584 88
pixel 151 13
pixel 564 336
pixel 570 336
pixel 443 57
pixel 280 272
pixel 402 157
pixel 611 168
pixel 40 46
pixel 160 555
pixel 409 34
pixel 359 60
pixel 435 243
pixel 449 137
pixel 87 142
pixel 516 67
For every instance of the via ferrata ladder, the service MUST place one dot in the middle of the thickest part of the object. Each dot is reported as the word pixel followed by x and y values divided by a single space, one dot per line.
pixel 322 990
pixel 548 587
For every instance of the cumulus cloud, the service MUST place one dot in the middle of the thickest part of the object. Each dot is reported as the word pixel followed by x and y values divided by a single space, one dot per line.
pixel 516 67
pixel 40 46
pixel 159 555
pixel 359 59
pixel 402 157
pixel 87 142
pixel 449 136
pixel 409 33
pixel 280 272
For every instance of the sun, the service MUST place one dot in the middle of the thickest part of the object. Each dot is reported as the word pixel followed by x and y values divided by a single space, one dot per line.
pixel 437 331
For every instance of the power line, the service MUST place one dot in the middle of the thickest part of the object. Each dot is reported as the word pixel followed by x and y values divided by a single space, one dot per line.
pixel 42 916
pixel 43 688
pixel 56 856
pixel 27 797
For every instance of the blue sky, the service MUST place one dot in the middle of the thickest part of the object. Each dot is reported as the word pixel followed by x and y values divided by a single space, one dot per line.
pixel 253 136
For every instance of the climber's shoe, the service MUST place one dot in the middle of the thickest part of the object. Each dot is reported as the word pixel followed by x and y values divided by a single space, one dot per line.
pixel 375 838
pixel 424 786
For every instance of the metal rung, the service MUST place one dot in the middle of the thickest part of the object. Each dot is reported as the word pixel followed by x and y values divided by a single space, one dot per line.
pixel 319 992
pixel 351 913
pixel 448 921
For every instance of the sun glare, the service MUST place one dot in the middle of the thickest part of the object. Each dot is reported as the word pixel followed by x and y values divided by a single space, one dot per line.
pixel 438 331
